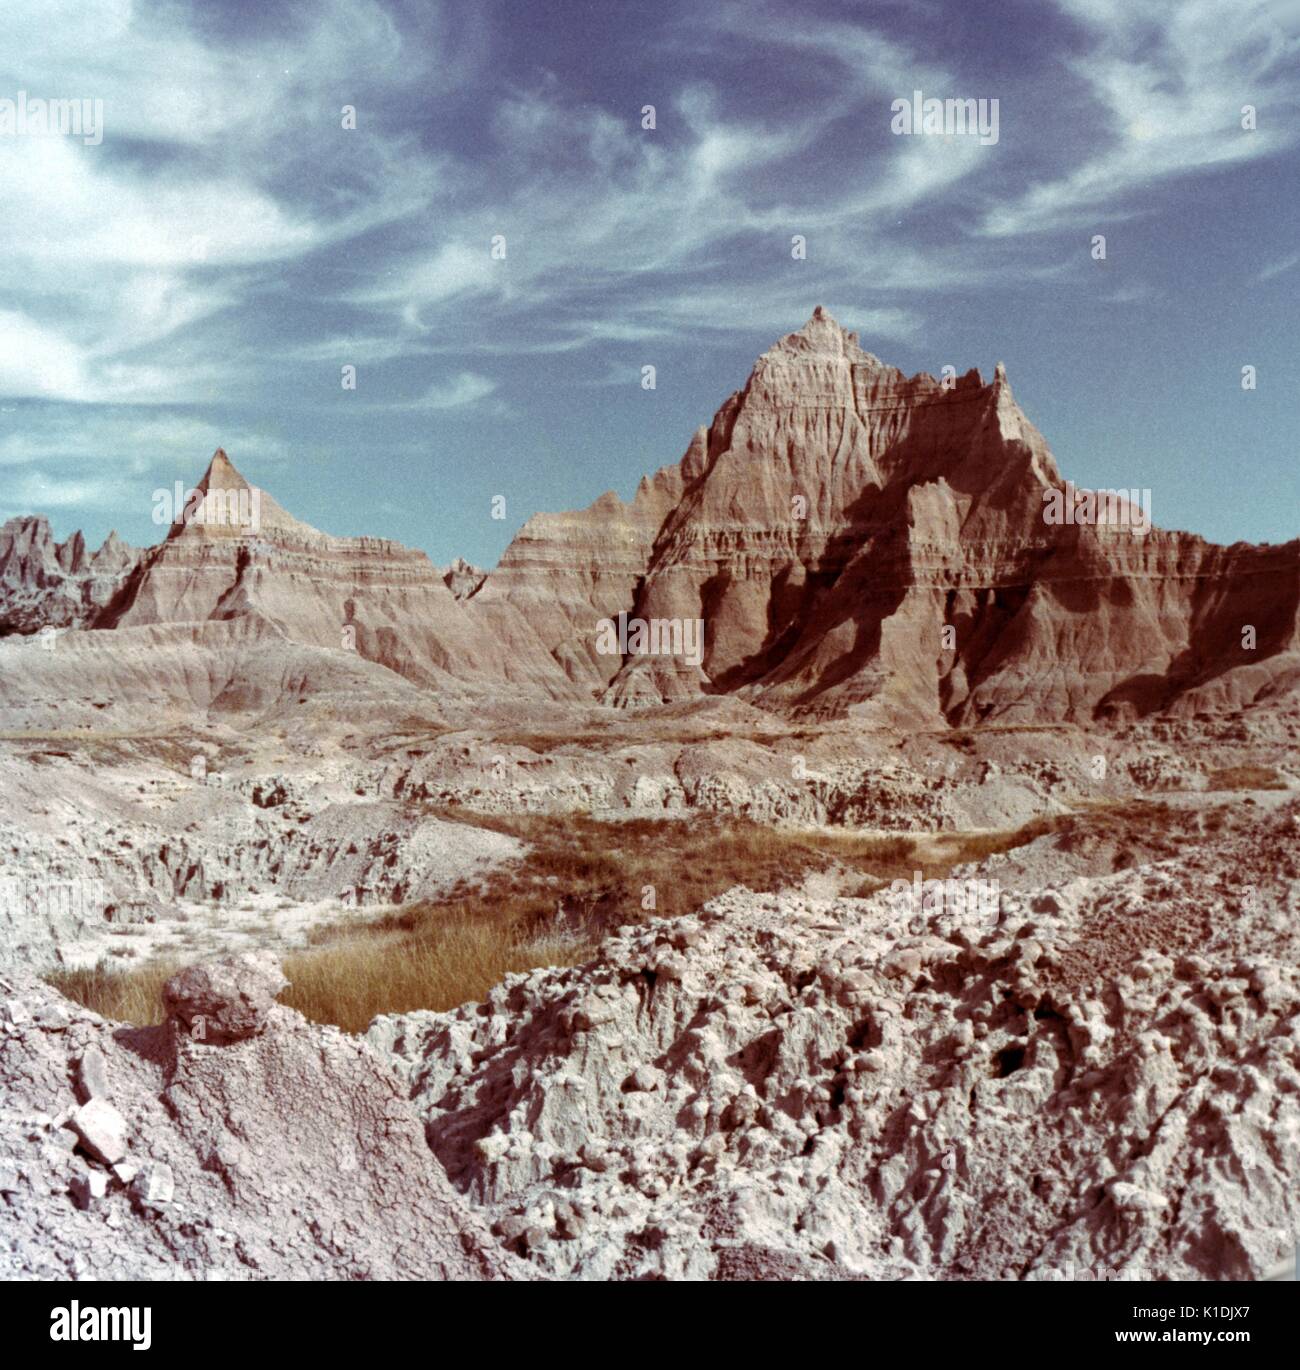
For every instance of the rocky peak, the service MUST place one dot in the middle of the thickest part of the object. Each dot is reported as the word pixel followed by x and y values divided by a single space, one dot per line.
pixel 246 511
pixel 461 578
pixel 827 526
pixel 114 554
pixel 43 582
pixel 71 555
pixel 221 474
pixel 822 336
pixel 23 537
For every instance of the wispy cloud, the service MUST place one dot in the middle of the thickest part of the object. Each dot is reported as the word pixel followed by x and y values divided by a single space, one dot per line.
pixel 198 187
pixel 456 393
pixel 107 461
pixel 200 277
pixel 1278 267
pixel 1163 85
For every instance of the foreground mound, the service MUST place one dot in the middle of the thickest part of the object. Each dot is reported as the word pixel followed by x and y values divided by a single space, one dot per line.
pixel 284 1152
pixel 1099 1077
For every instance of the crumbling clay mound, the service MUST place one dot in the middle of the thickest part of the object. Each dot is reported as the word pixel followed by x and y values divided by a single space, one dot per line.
pixel 855 1086
pixel 1063 1081
pixel 286 1152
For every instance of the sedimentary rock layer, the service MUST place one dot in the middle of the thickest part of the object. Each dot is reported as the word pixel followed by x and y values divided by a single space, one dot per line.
pixel 852 541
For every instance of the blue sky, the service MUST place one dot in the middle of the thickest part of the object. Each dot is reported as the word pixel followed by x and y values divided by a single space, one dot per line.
pixel 200 277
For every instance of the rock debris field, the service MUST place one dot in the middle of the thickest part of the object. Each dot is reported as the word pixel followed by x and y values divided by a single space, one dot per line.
pixel 1102 1078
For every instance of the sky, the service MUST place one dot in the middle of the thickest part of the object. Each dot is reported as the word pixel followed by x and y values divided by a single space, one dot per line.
pixel 200 272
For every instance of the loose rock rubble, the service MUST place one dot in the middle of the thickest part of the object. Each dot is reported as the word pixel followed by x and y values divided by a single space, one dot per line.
pixel 780 1084
pixel 270 1148
pixel 102 1131
pixel 1093 1076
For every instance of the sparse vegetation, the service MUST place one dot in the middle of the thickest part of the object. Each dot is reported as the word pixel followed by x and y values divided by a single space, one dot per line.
pixel 349 980
pixel 579 879
pixel 611 739
pixel 1246 778
pixel 132 996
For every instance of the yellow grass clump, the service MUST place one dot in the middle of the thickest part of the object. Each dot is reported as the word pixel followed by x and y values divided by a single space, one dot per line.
pixel 579 879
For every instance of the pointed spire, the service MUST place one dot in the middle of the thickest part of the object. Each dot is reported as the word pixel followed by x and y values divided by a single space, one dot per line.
pixel 823 336
pixel 221 473
pixel 113 553
pixel 71 555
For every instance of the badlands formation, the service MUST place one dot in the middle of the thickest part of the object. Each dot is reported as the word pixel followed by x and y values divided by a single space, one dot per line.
pixel 215 745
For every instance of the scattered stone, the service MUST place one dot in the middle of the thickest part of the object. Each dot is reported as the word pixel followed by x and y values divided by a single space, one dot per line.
pixel 89 1187
pixel 154 1184
pixel 220 1002
pixel 570 1220
pixel 102 1130
pixel 644 1078
pixel 92 1075
pixel 16 1011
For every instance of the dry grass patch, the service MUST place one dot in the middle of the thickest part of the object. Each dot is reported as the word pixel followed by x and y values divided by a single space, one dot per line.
pixel 133 996
pixel 583 871
pixel 349 982
pixel 1246 778
pixel 611 739
pixel 959 849
pixel 579 879
pixel 1138 830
